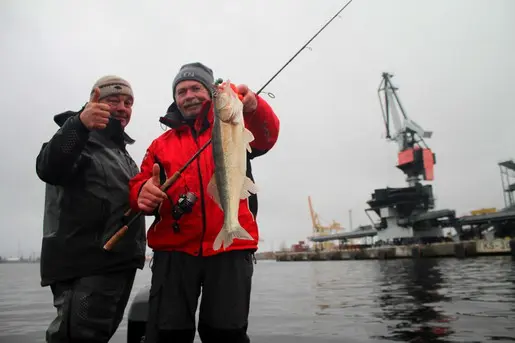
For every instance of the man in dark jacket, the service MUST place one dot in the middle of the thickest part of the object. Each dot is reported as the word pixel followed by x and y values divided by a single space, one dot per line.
pixel 87 169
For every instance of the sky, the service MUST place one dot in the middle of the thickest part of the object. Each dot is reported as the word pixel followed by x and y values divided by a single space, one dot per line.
pixel 451 60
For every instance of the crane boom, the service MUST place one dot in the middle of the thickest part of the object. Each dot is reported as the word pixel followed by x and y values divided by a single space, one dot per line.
pixel 314 216
pixel 415 158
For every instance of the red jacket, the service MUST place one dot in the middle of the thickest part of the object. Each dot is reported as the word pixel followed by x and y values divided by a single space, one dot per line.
pixel 198 229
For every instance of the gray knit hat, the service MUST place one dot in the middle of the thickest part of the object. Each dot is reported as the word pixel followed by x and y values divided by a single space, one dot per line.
pixel 195 71
pixel 112 84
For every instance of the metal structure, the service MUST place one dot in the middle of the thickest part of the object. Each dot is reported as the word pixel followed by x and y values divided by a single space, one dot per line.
pixel 320 230
pixel 500 224
pixel 359 232
pixel 507 169
pixel 404 211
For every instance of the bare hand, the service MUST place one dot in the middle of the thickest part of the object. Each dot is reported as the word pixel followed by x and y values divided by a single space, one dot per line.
pixel 249 99
pixel 151 194
pixel 95 114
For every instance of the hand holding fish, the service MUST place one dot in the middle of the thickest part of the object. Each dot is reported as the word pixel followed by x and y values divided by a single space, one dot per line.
pixel 151 195
pixel 95 114
pixel 249 99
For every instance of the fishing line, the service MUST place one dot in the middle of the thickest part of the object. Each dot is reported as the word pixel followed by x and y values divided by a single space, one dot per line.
pixel 304 47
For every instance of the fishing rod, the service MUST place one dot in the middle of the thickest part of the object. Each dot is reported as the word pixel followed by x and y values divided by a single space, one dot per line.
pixel 172 179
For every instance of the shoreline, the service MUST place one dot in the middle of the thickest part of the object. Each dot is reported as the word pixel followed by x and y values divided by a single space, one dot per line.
pixel 463 249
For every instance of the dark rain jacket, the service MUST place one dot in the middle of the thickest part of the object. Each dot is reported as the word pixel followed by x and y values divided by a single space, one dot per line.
pixel 87 175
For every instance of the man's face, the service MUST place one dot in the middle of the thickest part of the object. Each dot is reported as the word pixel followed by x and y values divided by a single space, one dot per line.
pixel 121 107
pixel 189 96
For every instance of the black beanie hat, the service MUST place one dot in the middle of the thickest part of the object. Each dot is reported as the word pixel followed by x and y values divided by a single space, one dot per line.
pixel 195 71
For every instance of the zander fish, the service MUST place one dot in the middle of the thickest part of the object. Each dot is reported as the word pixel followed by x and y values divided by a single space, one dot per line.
pixel 230 142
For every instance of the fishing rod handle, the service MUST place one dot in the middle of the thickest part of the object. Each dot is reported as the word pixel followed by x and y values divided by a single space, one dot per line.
pixel 115 238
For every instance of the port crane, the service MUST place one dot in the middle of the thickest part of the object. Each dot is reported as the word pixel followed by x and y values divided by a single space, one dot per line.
pixel 415 158
pixel 404 211
pixel 321 230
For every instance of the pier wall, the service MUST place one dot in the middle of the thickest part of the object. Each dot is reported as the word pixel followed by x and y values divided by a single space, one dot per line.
pixel 448 249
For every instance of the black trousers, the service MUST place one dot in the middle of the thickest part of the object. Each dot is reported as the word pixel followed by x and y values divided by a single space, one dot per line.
pixel 89 309
pixel 178 279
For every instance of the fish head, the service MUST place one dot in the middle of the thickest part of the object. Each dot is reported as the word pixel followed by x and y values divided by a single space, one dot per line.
pixel 227 105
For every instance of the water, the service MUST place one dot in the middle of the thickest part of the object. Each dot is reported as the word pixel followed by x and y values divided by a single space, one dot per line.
pixel 433 300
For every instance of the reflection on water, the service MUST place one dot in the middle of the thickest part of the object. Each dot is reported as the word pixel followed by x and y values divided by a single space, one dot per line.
pixel 428 300
pixel 410 297
pixel 447 300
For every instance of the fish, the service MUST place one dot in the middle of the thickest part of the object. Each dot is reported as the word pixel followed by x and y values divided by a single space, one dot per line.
pixel 230 141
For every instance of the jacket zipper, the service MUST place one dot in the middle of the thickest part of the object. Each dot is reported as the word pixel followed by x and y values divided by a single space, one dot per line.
pixel 202 203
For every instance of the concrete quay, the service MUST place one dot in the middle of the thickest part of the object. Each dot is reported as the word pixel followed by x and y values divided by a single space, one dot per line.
pixel 447 249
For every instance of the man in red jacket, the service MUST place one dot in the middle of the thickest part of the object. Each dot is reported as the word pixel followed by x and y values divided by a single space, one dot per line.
pixel 187 220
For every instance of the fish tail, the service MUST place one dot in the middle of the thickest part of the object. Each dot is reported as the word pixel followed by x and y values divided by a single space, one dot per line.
pixel 226 237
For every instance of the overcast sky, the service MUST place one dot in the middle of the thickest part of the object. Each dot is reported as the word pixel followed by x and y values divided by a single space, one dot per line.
pixel 452 60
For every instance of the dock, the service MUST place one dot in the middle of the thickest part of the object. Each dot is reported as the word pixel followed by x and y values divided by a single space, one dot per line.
pixel 462 249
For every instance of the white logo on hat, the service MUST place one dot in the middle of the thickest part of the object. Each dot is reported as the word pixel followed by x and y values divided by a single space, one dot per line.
pixel 188 74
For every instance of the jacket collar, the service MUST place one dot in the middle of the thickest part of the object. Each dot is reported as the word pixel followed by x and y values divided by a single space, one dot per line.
pixel 113 131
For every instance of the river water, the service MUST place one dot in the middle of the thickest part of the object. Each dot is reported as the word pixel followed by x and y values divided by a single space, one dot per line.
pixel 431 300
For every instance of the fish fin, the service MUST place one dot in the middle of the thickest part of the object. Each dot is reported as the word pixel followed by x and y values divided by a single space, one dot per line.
pixel 248 187
pixel 212 190
pixel 247 137
pixel 226 237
